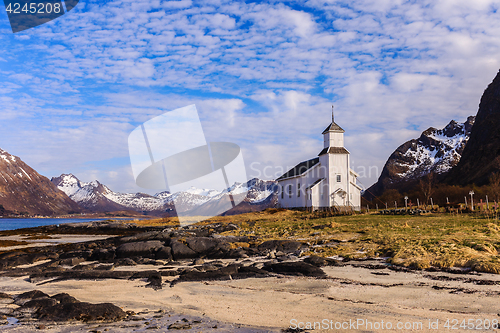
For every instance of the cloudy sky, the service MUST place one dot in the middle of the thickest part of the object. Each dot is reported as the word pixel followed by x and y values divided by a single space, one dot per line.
pixel 262 74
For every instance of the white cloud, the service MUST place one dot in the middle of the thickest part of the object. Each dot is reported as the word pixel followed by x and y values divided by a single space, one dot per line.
pixel 262 74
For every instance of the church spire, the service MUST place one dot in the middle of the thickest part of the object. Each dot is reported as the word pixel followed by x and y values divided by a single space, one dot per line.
pixel 333 127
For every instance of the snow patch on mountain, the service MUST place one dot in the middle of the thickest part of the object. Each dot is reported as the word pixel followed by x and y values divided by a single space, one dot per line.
pixel 437 150
pixel 89 194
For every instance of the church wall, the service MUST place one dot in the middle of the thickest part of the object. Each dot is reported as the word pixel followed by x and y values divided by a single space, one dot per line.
pixel 315 195
pixel 338 167
pixel 333 139
pixel 287 200
pixel 355 195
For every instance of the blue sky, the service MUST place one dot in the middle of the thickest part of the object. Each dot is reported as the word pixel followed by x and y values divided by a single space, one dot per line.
pixel 262 74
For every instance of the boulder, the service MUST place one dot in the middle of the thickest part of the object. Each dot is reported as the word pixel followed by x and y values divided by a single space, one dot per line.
pixel 125 262
pixel 164 253
pixel 28 296
pixel 65 298
pixel 146 249
pixel 182 251
pixel 320 261
pixel 224 273
pixel 299 268
pixel 38 303
pixel 285 246
pixel 201 245
pixel 103 255
pixel 81 311
pixel 234 271
pixel 153 277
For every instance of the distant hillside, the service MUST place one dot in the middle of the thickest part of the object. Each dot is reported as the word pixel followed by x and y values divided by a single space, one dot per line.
pixel 23 190
pixel 481 156
pixel 96 197
pixel 436 151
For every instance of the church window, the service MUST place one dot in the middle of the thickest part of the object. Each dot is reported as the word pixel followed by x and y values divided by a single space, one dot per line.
pixel 290 191
pixel 298 190
pixel 338 179
pixel 282 192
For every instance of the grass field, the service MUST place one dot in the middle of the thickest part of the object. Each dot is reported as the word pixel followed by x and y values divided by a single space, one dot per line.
pixel 441 240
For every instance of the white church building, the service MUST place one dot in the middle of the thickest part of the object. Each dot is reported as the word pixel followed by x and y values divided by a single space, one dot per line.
pixel 324 182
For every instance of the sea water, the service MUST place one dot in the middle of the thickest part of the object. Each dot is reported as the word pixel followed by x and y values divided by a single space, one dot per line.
pixel 12 224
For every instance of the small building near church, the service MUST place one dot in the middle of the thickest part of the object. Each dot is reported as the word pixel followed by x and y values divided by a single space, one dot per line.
pixel 324 182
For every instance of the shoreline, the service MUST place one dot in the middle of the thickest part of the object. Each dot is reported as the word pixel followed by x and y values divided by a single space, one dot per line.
pixel 260 300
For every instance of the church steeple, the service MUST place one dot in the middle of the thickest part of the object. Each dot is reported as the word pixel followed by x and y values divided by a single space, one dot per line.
pixel 333 138
pixel 333 127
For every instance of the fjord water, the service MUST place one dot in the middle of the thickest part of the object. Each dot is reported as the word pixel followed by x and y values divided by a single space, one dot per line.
pixel 12 224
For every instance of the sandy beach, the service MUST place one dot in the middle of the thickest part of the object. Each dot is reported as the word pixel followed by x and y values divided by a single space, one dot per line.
pixel 357 295
pixel 349 293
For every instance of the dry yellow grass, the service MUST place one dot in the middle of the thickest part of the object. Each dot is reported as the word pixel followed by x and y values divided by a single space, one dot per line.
pixel 441 240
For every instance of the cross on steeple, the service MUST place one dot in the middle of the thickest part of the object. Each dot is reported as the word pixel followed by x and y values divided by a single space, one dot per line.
pixel 332 114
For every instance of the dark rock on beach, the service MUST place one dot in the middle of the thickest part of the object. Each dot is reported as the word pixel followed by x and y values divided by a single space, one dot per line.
pixel 230 272
pixel 81 311
pixel 182 251
pixel 63 307
pixel 320 261
pixel 153 277
pixel 146 249
pixel 285 246
pixel 299 268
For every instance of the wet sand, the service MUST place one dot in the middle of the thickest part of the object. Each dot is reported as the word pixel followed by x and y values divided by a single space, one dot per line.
pixel 349 294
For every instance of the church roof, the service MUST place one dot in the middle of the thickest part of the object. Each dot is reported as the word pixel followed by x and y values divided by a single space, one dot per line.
pixel 333 150
pixel 333 127
pixel 315 183
pixel 300 168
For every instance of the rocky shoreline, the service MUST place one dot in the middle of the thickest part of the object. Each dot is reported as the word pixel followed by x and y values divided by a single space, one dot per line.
pixel 179 255
pixel 159 258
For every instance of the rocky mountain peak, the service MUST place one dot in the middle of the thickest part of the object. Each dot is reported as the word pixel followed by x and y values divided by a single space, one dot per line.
pixel 436 151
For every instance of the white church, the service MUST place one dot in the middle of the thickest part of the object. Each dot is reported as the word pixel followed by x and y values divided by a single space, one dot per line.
pixel 325 182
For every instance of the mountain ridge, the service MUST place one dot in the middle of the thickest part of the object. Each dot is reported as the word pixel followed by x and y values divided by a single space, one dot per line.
pixel 96 197
pixel 481 156
pixel 435 151
pixel 21 189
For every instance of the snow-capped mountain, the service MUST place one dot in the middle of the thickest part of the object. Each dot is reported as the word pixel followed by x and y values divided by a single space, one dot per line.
pixel 25 191
pixel 436 151
pixel 95 196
